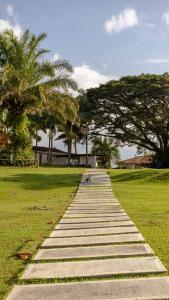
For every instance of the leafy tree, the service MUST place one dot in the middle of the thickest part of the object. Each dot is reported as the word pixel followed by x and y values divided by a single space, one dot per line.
pixel 107 151
pixel 135 110
pixel 27 81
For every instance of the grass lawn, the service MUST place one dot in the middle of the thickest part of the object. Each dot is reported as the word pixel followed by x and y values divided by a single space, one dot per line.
pixel 29 199
pixel 144 194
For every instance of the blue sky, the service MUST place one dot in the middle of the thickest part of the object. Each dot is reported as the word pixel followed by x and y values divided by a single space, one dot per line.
pixel 101 39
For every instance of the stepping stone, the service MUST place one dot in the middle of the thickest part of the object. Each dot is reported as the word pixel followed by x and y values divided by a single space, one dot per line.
pixel 96 219
pixel 94 212
pixel 108 215
pixel 94 209
pixel 91 240
pixel 95 201
pixel 94 205
pixel 95 268
pixel 90 209
pixel 94 225
pixel 92 232
pixel 94 251
pixel 131 289
pixel 94 191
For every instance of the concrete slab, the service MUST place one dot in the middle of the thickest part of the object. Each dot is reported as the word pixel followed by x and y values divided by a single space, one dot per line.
pixel 92 199
pixel 97 191
pixel 97 207
pixel 123 289
pixel 88 192
pixel 95 268
pixel 92 207
pixel 91 240
pixel 93 231
pixel 94 194
pixel 94 251
pixel 94 225
pixel 94 210
pixel 78 215
pixel 96 219
pixel 94 204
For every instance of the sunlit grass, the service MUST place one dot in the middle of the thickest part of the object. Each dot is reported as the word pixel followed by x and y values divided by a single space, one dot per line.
pixel 144 194
pixel 29 199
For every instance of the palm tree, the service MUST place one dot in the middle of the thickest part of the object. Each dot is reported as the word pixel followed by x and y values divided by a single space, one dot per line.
pixel 26 82
pixel 69 127
pixel 85 117
pixel 107 149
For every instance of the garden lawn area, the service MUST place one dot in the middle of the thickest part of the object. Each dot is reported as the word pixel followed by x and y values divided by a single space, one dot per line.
pixel 29 199
pixel 144 194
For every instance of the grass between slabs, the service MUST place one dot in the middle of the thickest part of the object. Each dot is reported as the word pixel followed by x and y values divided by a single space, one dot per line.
pixel 29 199
pixel 144 194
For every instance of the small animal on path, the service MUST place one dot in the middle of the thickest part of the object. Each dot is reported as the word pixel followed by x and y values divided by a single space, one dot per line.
pixel 88 179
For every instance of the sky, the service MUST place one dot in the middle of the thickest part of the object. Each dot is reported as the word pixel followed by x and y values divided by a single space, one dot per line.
pixel 101 39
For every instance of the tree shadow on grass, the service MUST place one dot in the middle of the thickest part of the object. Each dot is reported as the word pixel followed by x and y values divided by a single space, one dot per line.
pixel 141 175
pixel 33 181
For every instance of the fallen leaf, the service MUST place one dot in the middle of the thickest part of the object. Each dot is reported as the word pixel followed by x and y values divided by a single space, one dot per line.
pixel 24 256
pixel 52 222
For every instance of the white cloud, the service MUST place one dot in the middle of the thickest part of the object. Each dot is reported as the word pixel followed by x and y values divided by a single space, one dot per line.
pixel 5 24
pixel 165 18
pixel 9 10
pixel 86 77
pixel 12 22
pixel 126 19
pixel 153 61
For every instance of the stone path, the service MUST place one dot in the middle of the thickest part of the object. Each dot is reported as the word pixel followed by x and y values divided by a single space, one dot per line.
pixel 94 239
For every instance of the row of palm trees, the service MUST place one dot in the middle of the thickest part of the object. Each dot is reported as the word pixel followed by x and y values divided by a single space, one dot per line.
pixel 36 94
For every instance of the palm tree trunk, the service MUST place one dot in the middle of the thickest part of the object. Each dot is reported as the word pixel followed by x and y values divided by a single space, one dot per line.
pixel 36 145
pixel 49 148
pixel 69 151
pixel 87 162
pixel 51 153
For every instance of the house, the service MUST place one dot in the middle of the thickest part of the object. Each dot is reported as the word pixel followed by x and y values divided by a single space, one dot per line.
pixel 136 162
pixel 60 157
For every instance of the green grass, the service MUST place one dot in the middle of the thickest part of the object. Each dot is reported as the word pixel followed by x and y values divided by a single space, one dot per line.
pixel 29 199
pixel 144 194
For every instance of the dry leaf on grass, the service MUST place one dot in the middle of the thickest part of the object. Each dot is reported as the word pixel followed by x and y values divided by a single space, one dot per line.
pixel 52 222
pixel 24 256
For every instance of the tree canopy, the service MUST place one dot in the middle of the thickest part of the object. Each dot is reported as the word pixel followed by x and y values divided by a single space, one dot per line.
pixel 134 110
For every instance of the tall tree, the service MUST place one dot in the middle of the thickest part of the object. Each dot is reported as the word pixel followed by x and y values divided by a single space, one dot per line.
pixel 135 110
pixel 26 81
pixel 69 128
pixel 85 118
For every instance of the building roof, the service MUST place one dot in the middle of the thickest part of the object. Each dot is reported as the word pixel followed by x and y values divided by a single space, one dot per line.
pixel 59 152
pixel 46 149
pixel 138 160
